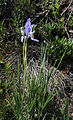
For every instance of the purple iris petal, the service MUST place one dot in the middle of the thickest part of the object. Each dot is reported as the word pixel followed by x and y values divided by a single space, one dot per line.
pixel 28 26
pixel 28 23
pixel 34 39
pixel 28 31
pixel 28 19
pixel 22 31
pixel 32 26
pixel 31 33
pixel 22 38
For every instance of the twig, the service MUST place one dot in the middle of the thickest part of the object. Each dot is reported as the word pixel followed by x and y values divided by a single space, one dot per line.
pixel 67 8
pixel 66 25
pixel 46 12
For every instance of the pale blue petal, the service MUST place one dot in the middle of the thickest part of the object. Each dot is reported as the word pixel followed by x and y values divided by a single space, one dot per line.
pixel 31 33
pixel 22 38
pixel 28 19
pixel 28 23
pixel 28 29
pixel 32 25
pixel 34 39
pixel 28 26
pixel 21 28
pixel 22 31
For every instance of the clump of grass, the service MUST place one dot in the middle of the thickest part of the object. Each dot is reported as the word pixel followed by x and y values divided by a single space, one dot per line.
pixel 65 111
pixel 30 93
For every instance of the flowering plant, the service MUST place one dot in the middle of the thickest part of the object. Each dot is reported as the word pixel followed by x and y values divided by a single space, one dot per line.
pixel 28 31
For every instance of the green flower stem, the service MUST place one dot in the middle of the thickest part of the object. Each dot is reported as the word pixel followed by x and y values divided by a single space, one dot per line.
pixel 24 58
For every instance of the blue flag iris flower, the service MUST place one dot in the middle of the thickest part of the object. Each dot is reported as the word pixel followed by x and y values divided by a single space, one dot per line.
pixel 28 33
